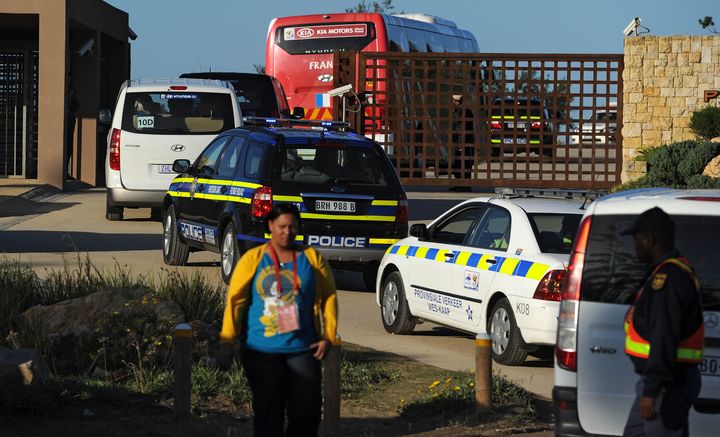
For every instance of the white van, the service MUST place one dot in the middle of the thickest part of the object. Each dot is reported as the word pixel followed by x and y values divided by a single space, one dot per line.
pixel 155 122
pixel 594 378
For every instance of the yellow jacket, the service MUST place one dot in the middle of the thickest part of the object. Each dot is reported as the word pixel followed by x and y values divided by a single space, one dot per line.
pixel 325 308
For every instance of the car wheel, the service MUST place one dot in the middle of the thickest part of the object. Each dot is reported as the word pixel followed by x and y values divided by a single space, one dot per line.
pixel 394 311
pixel 175 251
pixel 229 253
pixel 506 342
pixel 370 277
pixel 113 213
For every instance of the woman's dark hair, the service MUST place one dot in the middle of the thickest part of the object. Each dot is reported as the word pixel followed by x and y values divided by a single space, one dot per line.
pixel 279 209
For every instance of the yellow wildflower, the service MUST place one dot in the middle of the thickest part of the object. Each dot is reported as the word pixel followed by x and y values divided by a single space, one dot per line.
pixel 447 381
pixel 434 384
pixel 456 388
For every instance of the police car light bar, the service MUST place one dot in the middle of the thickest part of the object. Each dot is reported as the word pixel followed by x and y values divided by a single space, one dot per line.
pixel 289 122
pixel 548 192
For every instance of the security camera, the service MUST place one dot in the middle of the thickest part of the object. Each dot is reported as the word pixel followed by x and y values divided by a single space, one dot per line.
pixel 86 47
pixel 632 27
pixel 132 35
pixel 339 91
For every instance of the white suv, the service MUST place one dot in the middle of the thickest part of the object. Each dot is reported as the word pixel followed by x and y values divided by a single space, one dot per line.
pixel 594 379
pixel 155 122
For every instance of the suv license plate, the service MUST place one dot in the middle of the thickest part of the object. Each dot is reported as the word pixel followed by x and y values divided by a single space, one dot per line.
pixel 165 169
pixel 334 206
pixel 710 366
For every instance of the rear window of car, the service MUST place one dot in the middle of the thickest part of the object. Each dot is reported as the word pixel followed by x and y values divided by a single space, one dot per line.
pixel 333 163
pixel 555 233
pixel 176 113
pixel 612 274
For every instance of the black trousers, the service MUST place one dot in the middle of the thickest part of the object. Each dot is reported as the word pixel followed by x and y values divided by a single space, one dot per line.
pixel 284 384
pixel 673 406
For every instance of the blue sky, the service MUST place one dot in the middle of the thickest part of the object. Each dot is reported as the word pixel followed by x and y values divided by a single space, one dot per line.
pixel 176 36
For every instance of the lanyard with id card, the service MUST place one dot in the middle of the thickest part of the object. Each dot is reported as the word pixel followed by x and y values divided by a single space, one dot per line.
pixel 288 314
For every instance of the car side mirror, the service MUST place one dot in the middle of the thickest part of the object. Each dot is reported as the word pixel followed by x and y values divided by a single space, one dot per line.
pixel 420 231
pixel 105 116
pixel 298 112
pixel 181 166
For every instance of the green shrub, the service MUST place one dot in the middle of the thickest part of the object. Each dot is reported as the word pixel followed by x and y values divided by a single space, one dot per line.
pixel 17 286
pixel 705 123
pixel 676 165
pixel 197 298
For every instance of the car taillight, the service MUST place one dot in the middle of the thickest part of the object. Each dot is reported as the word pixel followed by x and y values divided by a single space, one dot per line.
pixel 495 125
pixel 115 150
pixel 550 286
pixel 566 345
pixel 401 216
pixel 261 202
pixel 178 88
pixel 535 125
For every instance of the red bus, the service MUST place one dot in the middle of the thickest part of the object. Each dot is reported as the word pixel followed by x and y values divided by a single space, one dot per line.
pixel 299 50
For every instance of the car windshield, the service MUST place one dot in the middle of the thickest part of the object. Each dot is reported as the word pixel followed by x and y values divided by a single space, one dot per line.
pixel 555 233
pixel 177 113
pixel 334 163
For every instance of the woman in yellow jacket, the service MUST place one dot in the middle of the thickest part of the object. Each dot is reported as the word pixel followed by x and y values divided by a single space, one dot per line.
pixel 282 306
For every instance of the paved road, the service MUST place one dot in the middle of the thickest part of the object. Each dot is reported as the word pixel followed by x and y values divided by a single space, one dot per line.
pixel 47 233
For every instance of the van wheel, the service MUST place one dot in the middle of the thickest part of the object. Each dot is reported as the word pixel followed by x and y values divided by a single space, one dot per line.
pixel 394 311
pixel 229 253
pixel 175 251
pixel 506 342
pixel 113 213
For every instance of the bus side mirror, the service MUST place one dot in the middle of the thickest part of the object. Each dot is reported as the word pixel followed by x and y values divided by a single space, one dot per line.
pixel 298 112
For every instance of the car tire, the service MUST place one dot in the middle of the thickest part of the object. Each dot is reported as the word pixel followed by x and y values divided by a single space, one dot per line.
pixel 394 311
pixel 370 278
pixel 175 251
pixel 506 339
pixel 113 213
pixel 229 253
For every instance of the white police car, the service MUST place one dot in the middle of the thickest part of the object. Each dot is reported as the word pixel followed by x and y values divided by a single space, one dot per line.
pixel 490 264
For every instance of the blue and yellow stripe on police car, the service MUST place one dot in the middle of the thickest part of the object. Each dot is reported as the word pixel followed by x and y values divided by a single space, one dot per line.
pixel 504 265
pixel 181 187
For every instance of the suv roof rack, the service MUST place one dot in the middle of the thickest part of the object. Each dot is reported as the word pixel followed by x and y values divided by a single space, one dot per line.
pixel 292 122
pixel 549 192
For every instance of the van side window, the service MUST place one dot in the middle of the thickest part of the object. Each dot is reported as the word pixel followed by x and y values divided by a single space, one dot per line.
pixel 612 274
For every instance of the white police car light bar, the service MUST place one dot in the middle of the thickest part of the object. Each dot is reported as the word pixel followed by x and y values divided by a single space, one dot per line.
pixel 548 192
pixel 289 122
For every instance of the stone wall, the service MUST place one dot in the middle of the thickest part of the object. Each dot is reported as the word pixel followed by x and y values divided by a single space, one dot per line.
pixel 664 80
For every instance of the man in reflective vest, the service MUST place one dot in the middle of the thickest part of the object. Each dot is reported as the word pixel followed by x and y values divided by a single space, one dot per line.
pixel 664 332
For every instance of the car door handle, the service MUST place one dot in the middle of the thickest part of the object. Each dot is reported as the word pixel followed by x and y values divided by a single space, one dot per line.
pixel 491 261
pixel 223 189
pixel 449 255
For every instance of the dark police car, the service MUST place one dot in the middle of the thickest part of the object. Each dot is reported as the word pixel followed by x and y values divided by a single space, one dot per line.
pixel 352 204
